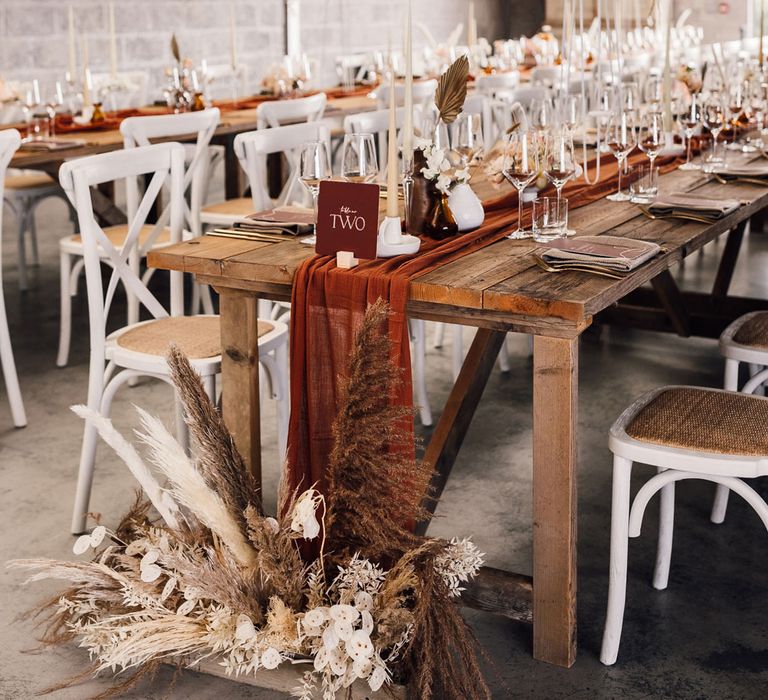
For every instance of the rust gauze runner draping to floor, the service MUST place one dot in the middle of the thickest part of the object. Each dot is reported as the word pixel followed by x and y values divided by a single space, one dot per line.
pixel 328 305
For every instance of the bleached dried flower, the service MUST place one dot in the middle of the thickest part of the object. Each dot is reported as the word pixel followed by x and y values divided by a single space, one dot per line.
pixel 377 678
pixel 458 562
pixel 315 617
pixel 359 646
pixel 303 518
pixel 360 575
pixel 364 601
pixel 85 542
pixel 271 658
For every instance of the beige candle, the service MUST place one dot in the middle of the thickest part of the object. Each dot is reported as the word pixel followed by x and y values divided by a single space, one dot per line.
pixel 762 29
pixel 408 123
pixel 392 169
pixel 86 73
pixel 232 36
pixel 112 42
pixel 667 77
pixel 471 25
pixel 72 45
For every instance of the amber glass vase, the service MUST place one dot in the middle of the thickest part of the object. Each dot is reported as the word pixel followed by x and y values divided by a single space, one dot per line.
pixel 440 222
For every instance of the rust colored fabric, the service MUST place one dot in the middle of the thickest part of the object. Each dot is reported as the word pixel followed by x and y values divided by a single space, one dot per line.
pixel 328 304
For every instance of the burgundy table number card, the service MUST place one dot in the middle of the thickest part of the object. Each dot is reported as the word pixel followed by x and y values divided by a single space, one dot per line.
pixel 347 218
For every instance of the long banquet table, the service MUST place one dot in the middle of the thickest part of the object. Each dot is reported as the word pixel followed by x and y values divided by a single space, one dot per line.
pixel 498 289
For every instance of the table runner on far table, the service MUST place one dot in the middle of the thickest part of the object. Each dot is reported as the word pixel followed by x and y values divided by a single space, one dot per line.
pixel 328 305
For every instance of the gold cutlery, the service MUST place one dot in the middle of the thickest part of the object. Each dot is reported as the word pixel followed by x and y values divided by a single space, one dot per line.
pixel 685 217
pixel 745 180
pixel 259 237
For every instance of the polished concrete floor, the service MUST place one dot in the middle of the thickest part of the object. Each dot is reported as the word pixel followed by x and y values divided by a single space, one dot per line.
pixel 704 637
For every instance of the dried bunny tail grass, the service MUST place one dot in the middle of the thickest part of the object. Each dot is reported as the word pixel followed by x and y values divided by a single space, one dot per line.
pixel 441 654
pixel 162 502
pixel 279 561
pixel 374 483
pixel 190 488
pixel 221 464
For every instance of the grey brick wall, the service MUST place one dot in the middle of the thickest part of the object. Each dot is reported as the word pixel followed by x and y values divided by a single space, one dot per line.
pixel 33 33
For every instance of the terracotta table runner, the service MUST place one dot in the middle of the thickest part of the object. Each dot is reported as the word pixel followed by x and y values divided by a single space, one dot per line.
pixel 328 304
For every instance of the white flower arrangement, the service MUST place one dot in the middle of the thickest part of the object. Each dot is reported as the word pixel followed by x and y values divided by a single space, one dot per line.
pixel 443 166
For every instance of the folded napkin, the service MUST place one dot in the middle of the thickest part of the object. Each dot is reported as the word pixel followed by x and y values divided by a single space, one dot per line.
pixel 51 144
pixel 600 252
pixel 683 203
pixel 288 220
pixel 751 170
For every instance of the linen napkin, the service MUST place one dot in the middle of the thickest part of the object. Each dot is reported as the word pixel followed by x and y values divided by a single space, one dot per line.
pixel 51 144
pixel 684 203
pixel 758 170
pixel 600 252
pixel 287 220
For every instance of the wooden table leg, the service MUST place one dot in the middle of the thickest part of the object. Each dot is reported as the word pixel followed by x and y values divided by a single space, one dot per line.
pixel 728 261
pixel 240 373
pixel 555 423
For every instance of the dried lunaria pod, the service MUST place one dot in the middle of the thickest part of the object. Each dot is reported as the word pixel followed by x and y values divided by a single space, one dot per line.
pixel 452 90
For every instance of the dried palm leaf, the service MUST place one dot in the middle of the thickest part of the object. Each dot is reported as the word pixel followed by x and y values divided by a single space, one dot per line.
pixel 452 90
pixel 175 48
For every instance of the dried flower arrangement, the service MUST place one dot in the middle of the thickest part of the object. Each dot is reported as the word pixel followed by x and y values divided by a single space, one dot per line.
pixel 212 577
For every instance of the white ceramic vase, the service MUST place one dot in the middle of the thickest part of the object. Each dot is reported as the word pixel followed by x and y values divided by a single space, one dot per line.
pixel 466 207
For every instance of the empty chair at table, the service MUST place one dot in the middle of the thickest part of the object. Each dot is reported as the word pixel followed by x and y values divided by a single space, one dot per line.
pixel 221 81
pixel 423 93
pixel 686 433
pixel 139 349
pixel 497 82
pixel 377 123
pixel 137 131
pixel 124 90
pixel 9 143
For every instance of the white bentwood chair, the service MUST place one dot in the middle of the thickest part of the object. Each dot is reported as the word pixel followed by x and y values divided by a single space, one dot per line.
pixel 687 433
pixel 377 123
pixel 124 90
pixel 138 131
pixel 9 143
pixel 281 112
pixel 139 349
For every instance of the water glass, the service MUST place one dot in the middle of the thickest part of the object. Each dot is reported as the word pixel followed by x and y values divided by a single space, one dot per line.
pixel 713 157
pixel 358 158
pixel 550 218
pixel 39 127
pixel 644 184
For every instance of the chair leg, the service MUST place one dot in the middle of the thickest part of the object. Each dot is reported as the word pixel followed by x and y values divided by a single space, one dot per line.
pixel 720 504
pixel 504 357
pixel 33 234
pixel 283 400
pixel 439 335
pixel 419 371
pixel 617 580
pixel 457 351
pixel 88 449
pixel 22 253
pixel 18 414
pixel 205 298
pixel 666 530
pixel 65 318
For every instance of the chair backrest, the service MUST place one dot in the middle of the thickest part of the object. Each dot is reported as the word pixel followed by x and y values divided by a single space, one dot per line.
pixel 481 104
pixel 253 147
pixel 491 84
pixel 548 75
pixel 423 93
pixel 10 140
pixel 281 112
pixel 525 96
pixel 223 82
pixel 377 123
pixel 162 162
pixel 125 90
pixel 139 131
pixel 506 113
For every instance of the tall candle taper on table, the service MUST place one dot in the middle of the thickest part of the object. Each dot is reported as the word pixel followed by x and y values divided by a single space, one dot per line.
pixel 408 103
pixel 762 29
pixel 667 77
pixel 471 25
pixel 232 35
pixel 86 73
pixel 72 47
pixel 392 208
pixel 112 42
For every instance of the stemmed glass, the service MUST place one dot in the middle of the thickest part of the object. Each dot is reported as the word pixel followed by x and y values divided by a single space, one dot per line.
pixel 314 167
pixel 689 120
pixel 53 105
pixel 651 135
pixel 713 117
pixel 541 114
pixel 358 158
pixel 468 137
pixel 559 160
pixel 570 112
pixel 621 140
pixel 521 166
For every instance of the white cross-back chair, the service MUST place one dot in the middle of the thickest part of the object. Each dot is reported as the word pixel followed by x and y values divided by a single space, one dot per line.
pixel 281 112
pixel 125 90
pixel 745 340
pixel 377 123
pixel 687 433
pixel 138 131
pixel 423 93
pixel 491 84
pixel 9 143
pixel 223 82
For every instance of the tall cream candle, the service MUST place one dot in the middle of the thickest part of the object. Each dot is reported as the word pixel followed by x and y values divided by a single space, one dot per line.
pixel 86 72
pixel 471 25
pixel 408 103
pixel 392 169
pixel 112 42
pixel 232 36
pixel 72 45
pixel 762 29
pixel 667 77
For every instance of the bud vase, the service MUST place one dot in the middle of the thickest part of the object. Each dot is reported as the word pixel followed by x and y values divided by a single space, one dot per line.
pixel 466 207
pixel 440 222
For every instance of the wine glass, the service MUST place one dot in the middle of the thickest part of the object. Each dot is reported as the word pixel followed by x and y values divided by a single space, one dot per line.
pixel 541 114
pixel 713 116
pixel 621 140
pixel 314 167
pixel 53 105
pixel 570 112
pixel 358 158
pixel 521 166
pixel 654 90
pixel 651 135
pixel 689 120
pixel 468 137
pixel 559 160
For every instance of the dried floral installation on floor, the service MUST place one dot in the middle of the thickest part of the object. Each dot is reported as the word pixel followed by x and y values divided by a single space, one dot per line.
pixel 196 571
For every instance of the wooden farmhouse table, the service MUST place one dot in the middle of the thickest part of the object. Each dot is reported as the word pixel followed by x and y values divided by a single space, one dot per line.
pixel 499 289
pixel 233 122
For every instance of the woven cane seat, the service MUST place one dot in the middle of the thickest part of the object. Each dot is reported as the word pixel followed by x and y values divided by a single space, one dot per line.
pixel 196 336
pixel 28 181
pixel 241 206
pixel 118 234
pixel 704 421
pixel 754 331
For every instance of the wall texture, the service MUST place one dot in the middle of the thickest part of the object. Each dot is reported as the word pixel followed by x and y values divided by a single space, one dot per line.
pixel 33 33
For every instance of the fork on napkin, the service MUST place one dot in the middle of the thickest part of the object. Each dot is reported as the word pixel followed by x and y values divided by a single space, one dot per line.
pixel 685 203
pixel 600 253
